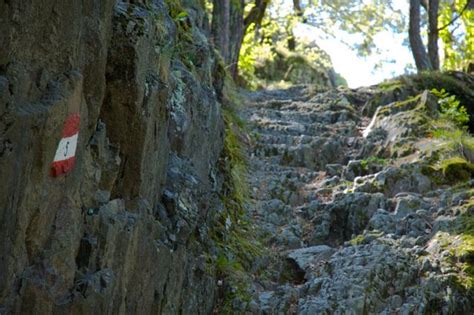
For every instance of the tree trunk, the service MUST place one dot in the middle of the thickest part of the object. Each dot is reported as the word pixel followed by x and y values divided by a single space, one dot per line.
pixel 297 8
pixel 416 43
pixel 229 27
pixel 433 34
pixel 236 35
pixel 221 27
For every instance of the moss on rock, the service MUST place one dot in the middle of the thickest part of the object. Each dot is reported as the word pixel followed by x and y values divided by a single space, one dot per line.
pixel 455 83
pixel 464 251
pixel 456 169
pixel 449 171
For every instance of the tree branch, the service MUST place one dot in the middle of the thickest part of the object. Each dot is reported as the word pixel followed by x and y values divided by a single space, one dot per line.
pixel 256 14
pixel 457 17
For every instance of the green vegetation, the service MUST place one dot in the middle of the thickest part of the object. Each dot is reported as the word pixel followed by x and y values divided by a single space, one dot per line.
pixel 390 85
pixel 458 48
pixel 257 27
pixel 440 81
pixel 266 60
pixel 365 238
pixel 454 140
pixel 251 52
pixel 456 169
pixel 454 153
pixel 400 150
pixel 235 160
pixel 456 145
pixel 401 106
pixel 233 234
pixel 450 171
pixel 187 46
pixel 358 240
pixel 447 84
pixel 450 155
pixel 447 133
pixel 451 108
pixel 464 252
pixel 175 8
pixel 458 240
pixel 372 160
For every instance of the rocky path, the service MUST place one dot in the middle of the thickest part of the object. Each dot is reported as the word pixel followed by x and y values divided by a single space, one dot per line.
pixel 355 228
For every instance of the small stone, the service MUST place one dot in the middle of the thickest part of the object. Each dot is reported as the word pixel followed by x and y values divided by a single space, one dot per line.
pixel 334 169
pixel 305 257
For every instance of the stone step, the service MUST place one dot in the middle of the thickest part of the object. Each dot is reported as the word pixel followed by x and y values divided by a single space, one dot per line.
pixel 302 115
pixel 351 137
pixel 315 155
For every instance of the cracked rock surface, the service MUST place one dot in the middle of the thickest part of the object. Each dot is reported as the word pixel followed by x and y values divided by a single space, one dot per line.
pixel 356 226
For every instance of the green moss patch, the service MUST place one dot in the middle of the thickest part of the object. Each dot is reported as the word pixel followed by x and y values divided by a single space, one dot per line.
pixel 372 161
pixel 456 84
pixel 458 241
pixel 464 252
pixel 450 171
pixel 456 169
pixel 358 240
pixel 365 238
pixel 390 85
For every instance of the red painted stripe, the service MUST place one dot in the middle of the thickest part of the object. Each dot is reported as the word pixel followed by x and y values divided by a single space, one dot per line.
pixel 71 125
pixel 62 167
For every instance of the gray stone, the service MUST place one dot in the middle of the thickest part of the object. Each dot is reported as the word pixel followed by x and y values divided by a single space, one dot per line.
pixel 306 257
pixel 408 204
pixel 353 169
pixel 334 169
pixel 102 196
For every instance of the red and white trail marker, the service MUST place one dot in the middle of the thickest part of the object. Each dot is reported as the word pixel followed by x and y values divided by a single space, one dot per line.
pixel 65 156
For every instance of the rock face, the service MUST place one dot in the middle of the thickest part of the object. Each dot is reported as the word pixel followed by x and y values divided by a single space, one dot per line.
pixel 126 230
pixel 353 208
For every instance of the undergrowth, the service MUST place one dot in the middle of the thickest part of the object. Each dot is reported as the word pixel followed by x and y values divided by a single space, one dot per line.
pixel 454 168
pixel 451 108
pixel 458 240
pixel 371 160
pixel 440 80
pixel 465 251
pixel 233 234
pixel 455 143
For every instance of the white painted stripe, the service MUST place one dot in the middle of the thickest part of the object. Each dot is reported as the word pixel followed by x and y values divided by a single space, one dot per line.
pixel 66 148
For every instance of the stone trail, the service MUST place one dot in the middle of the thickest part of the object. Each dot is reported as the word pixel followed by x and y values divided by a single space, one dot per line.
pixel 351 231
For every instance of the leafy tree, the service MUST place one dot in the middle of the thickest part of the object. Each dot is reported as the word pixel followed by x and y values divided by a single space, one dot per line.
pixel 364 17
pixel 271 54
pixel 450 20
pixel 244 22
pixel 458 45
pixel 230 22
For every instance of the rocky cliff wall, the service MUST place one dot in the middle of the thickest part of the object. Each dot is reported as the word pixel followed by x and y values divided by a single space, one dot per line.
pixel 126 230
